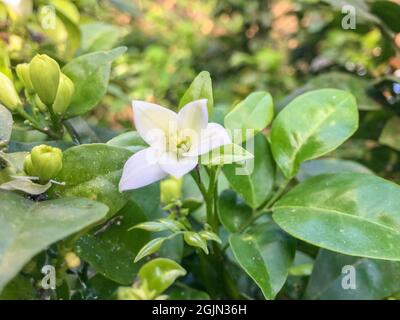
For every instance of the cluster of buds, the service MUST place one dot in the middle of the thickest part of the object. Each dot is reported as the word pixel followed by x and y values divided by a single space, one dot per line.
pixel 44 162
pixel 43 81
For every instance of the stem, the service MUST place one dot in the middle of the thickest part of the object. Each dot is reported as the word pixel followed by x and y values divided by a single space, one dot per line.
pixel 35 124
pixel 269 202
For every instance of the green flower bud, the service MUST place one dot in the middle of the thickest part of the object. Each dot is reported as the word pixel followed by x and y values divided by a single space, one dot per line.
pixel 44 162
pixel 170 190
pixel 45 77
pixel 8 96
pixel 24 75
pixel 64 95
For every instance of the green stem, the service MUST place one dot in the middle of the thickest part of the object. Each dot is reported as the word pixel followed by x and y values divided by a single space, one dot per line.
pixel 269 202
pixel 35 124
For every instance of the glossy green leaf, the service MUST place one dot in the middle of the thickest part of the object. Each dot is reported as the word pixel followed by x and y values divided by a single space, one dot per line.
pixel 111 249
pixel 90 74
pixel 390 135
pixel 27 227
pixel 254 113
pixel 313 168
pixel 350 213
pixel 20 288
pixel 129 140
pixel 265 252
pixel 388 12
pixel 6 122
pixel 200 88
pixel 195 240
pixel 180 291
pixel 233 212
pixel 254 181
pixel 149 248
pixel 160 274
pixel 93 171
pixel 312 125
pixel 374 279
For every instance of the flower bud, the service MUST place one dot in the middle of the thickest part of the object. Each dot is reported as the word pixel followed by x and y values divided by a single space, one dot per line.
pixel 64 95
pixel 72 260
pixel 170 190
pixel 24 75
pixel 45 76
pixel 44 162
pixel 39 104
pixel 8 96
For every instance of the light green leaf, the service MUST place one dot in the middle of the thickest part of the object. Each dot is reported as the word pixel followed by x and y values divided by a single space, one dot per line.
pixel 350 213
pixel 266 253
pixel 149 248
pixel 98 36
pixel 374 279
pixel 390 135
pixel 200 88
pixel 195 240
pixel 28 227
pixel 254 113
pixel 312 125
pixel 253 181
pixel 129 140
pixel 93 171
pixel 160 274
pixel 6 122
pixel 25 185
pixel 90 74
pixel 111 249
pixel 226 154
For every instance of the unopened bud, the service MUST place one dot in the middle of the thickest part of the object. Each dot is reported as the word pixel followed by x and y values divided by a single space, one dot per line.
pixel 24 75
pixel 64 95
pixel 39 104
pixel 8 95
pixel 170 190
pixel 72 260
pixel 45 76
pixel 44 162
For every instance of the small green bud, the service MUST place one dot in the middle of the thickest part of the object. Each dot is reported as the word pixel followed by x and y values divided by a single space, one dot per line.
pixel 44 162
pixel 64 95
pixel 45 76
pixel 170 190
pixel 24 75
pixel 8 95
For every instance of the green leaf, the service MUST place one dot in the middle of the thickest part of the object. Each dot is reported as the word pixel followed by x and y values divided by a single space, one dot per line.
pixel 312 125
pixel 93 171
pixel 390 135
pixel 375 279
pixel 90 74
pixel 226 154
pixel 350 213
pixel 160 274
pixel 160 225
pixel 254 113
pixel 20 288
pixel 25 185
pixel 180 291
pixel 28 227
pixel 253 181
pixel 149 248
pixel 129 140
pixel 265 252
pixel 6 122
pixel 200 88
pixel 111 249
pixel 388 12
pixel 98 36
pixel 233 213
pixel 195 240
pixel 313 168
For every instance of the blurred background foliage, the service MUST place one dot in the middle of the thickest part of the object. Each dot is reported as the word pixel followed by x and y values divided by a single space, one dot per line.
pixel 284 47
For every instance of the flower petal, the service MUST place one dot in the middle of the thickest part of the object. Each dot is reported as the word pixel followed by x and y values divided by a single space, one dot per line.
pixel 213 137
pixel 193 116
pixel 153 122
pixel 141 170
pixel 175 166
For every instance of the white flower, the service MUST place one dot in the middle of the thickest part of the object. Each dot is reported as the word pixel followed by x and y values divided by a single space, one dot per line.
pixel 176 140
